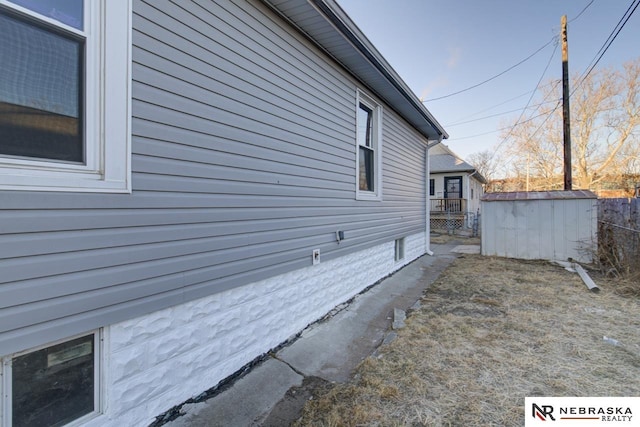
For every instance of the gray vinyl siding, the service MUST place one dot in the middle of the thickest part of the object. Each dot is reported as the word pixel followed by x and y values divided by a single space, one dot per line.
pixel 243 140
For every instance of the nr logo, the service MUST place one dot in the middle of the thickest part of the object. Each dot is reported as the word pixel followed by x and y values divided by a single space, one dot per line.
pixel 542 412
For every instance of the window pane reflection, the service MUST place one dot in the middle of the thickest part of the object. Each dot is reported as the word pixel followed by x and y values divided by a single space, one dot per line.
pixel 69 12
pixel 366 170
pixel 365 123
pixel 40 91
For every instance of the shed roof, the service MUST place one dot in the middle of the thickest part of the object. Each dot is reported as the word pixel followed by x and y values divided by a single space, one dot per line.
pixel 539 195
pixel 325 23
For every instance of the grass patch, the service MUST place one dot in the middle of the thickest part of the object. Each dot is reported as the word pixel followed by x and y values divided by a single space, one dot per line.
pixel 491 331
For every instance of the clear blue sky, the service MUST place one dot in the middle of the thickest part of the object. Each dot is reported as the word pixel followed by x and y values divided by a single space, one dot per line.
pixel 442 46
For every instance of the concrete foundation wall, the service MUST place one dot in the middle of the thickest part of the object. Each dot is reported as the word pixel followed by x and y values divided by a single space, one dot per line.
pixel 159 360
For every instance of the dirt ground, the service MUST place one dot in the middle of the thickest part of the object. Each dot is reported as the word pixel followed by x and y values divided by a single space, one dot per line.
pixel 444 238
pixel 489 332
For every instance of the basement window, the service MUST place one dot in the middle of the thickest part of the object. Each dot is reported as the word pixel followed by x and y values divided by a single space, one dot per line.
pixel 53 385
pixel 399 250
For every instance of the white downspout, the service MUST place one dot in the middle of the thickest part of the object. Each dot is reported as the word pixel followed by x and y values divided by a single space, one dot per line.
pixel 427 196
pixel 471 200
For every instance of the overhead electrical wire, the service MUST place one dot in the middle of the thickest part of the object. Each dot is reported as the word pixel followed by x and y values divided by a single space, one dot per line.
pixel 496 105
pixel 494 77
pixel 504 102
pixel 528 102
pixel 503 72
pixel 581 12
pixel 518 122
pixel 504 128
pixel 493 115
pixel 545 101
pixel 513 66
pixel 630 10
pixel 601 52
pixel 607 43
pixel 549 115
pixel 527 106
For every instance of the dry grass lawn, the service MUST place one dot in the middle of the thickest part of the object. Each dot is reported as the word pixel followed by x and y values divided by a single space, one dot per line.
pixel 491 331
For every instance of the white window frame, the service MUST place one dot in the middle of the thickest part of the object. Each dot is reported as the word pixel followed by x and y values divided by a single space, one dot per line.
pixel 376 135
pixel 107 114
pixel 98 380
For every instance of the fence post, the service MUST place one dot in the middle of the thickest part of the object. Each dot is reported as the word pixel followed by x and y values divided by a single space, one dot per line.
pixel 476 223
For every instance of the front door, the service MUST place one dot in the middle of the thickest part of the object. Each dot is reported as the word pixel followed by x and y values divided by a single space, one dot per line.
pixel 453 190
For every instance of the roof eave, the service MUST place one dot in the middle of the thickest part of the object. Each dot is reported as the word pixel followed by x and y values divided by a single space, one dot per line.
pixel 325 24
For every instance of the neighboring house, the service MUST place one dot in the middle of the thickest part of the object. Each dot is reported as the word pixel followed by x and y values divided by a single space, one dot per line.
pixel 455 189
pixel 184 186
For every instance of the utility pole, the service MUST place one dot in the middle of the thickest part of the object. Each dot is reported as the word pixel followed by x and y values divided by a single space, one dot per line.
pixel 566 126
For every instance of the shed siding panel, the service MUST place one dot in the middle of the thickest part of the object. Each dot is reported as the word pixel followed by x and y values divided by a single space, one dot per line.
pixel 243 163
pixel 552 228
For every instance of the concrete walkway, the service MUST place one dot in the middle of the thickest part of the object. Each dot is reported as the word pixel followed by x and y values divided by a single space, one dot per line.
pixel 273 393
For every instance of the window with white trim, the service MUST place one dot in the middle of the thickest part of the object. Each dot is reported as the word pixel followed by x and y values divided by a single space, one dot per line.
pixel 53 385
pixel 65 95
pixel 369 148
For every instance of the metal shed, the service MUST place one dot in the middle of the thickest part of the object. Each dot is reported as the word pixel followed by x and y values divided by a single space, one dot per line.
pixel 553 225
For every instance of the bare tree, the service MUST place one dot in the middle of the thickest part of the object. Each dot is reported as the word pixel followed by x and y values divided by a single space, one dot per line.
pixel 486 163
pixel 605 130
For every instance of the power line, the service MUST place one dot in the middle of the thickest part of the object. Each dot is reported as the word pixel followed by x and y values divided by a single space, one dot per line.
pixel 549 115
pixel 504 128
pixel 499 104
pixel 607 43
pixel 510 68
pixel 559 100
pixel 594 62
pixel 494 77
pixel 494 115
pixel 581 12
pixel 477 135
pixel 529 101
pixel 505 102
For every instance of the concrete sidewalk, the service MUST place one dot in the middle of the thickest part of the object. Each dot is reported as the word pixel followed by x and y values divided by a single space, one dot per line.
pixel 273 393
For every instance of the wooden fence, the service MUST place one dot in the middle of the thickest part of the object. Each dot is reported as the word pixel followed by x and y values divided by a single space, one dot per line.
pixel 619 234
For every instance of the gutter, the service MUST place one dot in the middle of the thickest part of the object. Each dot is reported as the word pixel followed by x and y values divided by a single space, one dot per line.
pixel 434 143
pixel 355 41
pixel 475 171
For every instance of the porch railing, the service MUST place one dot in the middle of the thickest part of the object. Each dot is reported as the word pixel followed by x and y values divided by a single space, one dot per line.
pixel 448 205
